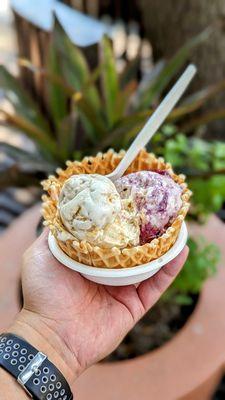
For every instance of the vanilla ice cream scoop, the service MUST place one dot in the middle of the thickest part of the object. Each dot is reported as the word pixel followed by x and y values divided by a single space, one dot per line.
pixel 87 202
pixel 91 209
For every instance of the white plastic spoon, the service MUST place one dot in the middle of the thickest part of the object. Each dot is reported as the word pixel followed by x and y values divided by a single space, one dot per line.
pixel 154 122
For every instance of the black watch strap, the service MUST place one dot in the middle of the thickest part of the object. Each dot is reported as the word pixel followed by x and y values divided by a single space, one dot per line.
pixel 32 369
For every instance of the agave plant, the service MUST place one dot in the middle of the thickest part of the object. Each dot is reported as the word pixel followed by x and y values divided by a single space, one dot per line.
pixel 88 111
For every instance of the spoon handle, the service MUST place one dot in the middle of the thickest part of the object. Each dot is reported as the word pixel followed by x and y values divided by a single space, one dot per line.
pixel 154 121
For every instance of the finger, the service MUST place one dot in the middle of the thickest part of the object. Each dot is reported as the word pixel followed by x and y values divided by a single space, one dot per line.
pixel 39 246
pixel 42 241
pixel 43 237
pixel 150 290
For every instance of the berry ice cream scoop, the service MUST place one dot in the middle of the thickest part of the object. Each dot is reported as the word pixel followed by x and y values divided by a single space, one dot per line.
pixel 157 198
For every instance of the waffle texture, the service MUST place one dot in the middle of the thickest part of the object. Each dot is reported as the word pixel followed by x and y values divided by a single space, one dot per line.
pixel 85 252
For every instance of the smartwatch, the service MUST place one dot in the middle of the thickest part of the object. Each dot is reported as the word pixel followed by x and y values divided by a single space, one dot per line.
pixel 32 369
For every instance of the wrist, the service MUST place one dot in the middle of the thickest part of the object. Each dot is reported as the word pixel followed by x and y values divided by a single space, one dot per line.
pixel 34 330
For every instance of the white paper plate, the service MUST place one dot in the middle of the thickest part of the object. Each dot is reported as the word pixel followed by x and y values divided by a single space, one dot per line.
pixel 123 276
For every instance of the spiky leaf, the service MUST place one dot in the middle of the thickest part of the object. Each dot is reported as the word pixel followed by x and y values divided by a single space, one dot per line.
pixel 110 83
pixel 57 97
pixel 171 69
pixel 21 101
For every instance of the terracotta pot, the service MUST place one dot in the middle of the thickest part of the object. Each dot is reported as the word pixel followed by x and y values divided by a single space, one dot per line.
pixel 13 242
pixel 187 367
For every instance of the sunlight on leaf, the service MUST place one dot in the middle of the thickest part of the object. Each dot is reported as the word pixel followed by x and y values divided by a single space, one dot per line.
pixel 30 130
pixel 20 100
pixel 110 84
pixel 75 68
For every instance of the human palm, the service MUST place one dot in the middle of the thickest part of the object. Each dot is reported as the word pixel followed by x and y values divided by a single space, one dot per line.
pixel 90 319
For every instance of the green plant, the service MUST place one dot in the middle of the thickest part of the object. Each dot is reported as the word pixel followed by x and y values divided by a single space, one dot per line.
pixel 89 111
pixel 200 265
pixel 202 162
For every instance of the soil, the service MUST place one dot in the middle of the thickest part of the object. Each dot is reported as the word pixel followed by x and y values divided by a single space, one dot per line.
pixel 221 213
pixel 157 327
pixel 220 393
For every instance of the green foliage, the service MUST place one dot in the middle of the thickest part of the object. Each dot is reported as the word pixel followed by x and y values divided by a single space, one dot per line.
pixel 208 195
pixel 88 111
pixel 170 70
pixel 201 264
pixel 57 97
pixel 84 96
pixel 110 83
pixel 21 101
pixel 202 162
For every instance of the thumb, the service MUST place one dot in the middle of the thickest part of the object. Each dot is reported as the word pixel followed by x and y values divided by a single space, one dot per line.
pixel 151 290
pixel 38 248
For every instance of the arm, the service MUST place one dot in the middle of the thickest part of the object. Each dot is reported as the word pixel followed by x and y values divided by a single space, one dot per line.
pixel 69 318
pixel 30 328
pixel 10 388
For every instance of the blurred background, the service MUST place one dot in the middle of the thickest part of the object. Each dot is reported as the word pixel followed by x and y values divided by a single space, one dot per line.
pixel 82 76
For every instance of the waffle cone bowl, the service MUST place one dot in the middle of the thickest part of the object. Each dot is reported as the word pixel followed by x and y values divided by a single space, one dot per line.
pixel 95 256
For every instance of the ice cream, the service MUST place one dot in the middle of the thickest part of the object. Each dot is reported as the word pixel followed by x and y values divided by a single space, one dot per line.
pixel 91 209
pixel 157 199
pixel 135 210
pixel 143 219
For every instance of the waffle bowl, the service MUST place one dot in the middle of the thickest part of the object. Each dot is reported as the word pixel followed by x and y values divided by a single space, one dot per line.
pixel 95 256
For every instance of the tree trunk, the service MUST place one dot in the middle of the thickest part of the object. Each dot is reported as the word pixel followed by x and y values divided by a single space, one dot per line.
pixel 168 24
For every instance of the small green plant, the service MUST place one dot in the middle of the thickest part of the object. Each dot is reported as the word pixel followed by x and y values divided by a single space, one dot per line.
pixel 202 162
pixel 201 264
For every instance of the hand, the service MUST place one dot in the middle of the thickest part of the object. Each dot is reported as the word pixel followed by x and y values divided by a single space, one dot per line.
pixel 83 321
